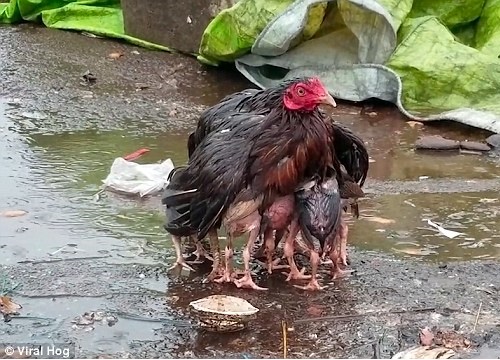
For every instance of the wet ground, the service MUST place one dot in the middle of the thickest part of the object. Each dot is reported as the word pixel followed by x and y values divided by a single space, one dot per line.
pixel 71 254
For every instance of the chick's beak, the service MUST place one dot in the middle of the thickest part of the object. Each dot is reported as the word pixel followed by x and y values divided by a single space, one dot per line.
pixel 327 99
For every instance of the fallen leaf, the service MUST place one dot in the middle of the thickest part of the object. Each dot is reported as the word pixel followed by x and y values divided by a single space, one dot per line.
pixel 7 306
pixel 452 340
pixel 315 310
pixel 426 337
pixel 380 220
pixel 13 213
pixel 414 123
pixel 115 55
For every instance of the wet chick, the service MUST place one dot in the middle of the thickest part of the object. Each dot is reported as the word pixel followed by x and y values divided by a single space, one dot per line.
pixel 350 192
pixel 318 205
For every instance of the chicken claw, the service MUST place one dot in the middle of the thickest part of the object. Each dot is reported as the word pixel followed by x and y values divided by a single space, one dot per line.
pixel 295 274
pixel 179 262
pixel 201 254
pixel 313 285
pixel 247 282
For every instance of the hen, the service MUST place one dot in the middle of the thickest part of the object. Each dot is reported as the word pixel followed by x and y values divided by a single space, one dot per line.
pixel 233 176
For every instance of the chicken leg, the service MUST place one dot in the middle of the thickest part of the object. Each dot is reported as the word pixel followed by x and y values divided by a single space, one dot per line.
pixel 180 262
pixel 246 281
pixel 343 231
pixel 289 251
pixel 228 275
pixel 270 245
pixel 338 253
pixel 313 283
pixel 200 253
pixel 215 250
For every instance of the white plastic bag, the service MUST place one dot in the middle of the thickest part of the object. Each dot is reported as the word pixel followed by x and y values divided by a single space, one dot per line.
pixel 143 179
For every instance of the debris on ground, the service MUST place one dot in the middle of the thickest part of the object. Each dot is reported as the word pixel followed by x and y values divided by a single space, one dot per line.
pixel 8 307
pixel 379 220
pixel 437 142
pixel 115 55
pixel 413 124
pixel 13 213
pixel 131 178
pixel 448 233
pixel 88 319
pixel 88 79
pixel 474 146
pixel 425 352
pixel 494 141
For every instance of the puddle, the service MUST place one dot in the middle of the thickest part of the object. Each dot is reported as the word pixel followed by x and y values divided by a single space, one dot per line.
pixel 56 149
pixel 398 226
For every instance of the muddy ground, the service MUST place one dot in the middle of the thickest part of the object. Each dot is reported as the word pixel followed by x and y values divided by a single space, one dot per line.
pixel 71 254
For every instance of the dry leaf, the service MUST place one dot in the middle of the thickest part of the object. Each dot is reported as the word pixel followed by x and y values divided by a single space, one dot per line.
pixel 426 337
pixel 13 213
pixel 315 310
pixel 115 55
pixel 380 220
pixel 452 340
pixel 414 123
pixel 7 306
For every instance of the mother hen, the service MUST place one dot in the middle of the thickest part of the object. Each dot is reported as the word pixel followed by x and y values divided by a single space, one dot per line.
pixel 235 173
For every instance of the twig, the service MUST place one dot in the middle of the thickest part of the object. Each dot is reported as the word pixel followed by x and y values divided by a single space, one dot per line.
pixel 354 316
pixel 284 332
pixel 35 262
pixel 477 316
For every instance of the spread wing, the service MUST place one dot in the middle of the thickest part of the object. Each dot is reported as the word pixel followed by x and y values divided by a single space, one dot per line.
pixel 217 170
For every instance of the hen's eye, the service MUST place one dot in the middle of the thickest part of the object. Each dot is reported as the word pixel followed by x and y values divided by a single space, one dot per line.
pixel 301 91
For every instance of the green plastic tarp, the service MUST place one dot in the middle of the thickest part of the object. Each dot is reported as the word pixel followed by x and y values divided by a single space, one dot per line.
pixel 434 59
pixel 99 17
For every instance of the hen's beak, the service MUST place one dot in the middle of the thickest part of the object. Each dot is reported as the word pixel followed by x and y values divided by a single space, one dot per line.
pixel 327 99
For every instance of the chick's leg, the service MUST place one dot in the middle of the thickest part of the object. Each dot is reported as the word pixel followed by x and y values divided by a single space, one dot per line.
pixel 229 274
pixel 215 250
pixel 343 231
pixel 336 254
pixel 270 245
pixel 313 284
pixel 246 281
pixel 289 251
pixel 180 262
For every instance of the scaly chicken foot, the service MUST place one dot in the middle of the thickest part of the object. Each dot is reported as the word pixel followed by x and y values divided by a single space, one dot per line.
pixel 270 245
pixel 294 273
pixel 338 254
pixel 343 231
pixel 217 269
pixel 180 262
pixel 201 254
pixel 246 281
pixel 313 284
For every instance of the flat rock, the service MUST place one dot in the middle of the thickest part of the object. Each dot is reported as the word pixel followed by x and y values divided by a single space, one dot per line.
pixel 494 141
pixel 436 142
pixel 474 146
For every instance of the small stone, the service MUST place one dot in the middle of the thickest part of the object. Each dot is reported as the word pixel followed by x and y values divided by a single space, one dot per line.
pixel 474 146
pixel 436 142
pixel 494 141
